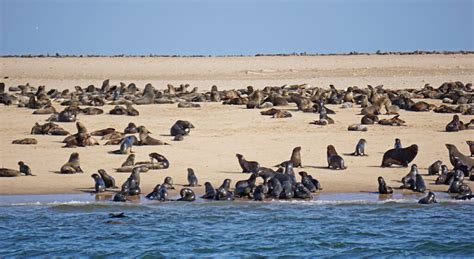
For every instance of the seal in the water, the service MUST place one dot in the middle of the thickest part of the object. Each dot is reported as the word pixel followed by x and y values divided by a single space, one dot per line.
pixel 72 166
pixel 399 156
pixel 383 188
pixel 108 180
pixel 25 169
pixel 429 199
pixel 192 179
pixel 455 124
pixel 360 148
pixel 210 191
pixel 122 195
pixel 181 127
pixel 335 161
pixel 99 183
pixel 187 195
pixel 435 168
pixel 159 193
pixel 247 166
pixel 259 193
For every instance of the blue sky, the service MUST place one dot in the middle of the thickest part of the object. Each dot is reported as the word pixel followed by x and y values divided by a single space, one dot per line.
pixel 233 27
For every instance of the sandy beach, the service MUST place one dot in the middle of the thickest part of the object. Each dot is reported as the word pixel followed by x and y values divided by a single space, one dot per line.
pixel 221 130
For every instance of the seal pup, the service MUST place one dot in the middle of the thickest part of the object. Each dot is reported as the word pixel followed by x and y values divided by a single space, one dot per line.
pixel 247 166
pixel 109 181
pixel 471 146
pixel 192 179
pixel 399 156
pixel 360 148
pixel 126 145
pixel 419 183
pixel 159 193
pixel 383 188
pixel 246 187
pixel 122 195
pixel 187 195
pixel 454 153
pixel 398 143
pixel 168 183
pixel 429 199
pixel 145 139
pixel 210 192
pixel 130 161
pixel 335 161
pixel 131 128
pixel 99 183
pixel 72 166
pixel 25 169
pixel 435 168
pixel 181 127
pixel 455 124
pixel 25 141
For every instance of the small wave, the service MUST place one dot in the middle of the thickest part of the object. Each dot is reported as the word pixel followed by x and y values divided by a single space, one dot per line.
pixel 51 203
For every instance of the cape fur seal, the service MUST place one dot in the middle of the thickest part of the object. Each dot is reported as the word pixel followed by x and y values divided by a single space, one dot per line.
pixel 400 156
pixel 72 166
pixel 335 161
pixel 187 195
pixel 25 141
pixel 145 139
pixel 383 188
pixel 181 127
pixel 109 181
pixel 247 166
pixel 25 169
pixel 192 179
pixel 360 148
pixel 429 199
pixel 454 153
pixel 99 183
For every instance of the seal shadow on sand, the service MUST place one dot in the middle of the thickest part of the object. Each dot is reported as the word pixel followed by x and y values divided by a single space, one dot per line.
pixel 228 172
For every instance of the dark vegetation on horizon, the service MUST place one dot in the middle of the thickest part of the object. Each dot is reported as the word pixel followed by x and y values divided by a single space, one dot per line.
pixel 352 53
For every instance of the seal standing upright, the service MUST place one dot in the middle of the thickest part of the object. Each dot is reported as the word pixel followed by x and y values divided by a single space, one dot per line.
pixel 360 148
pixel 108 180
pixel 99 183
pixel 72 166
pixel 192 179
pixel 383 188
pixel 399 156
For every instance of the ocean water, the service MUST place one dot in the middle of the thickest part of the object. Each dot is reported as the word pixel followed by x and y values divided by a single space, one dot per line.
pixel 329 225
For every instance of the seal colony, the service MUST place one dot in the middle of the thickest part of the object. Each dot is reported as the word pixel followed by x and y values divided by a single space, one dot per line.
pixel 279 182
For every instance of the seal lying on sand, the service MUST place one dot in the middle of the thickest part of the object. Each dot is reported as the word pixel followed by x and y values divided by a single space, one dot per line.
pixel 145 139
pixel 72 166
pixel 399 156
pixel 25 141
pixel 6 172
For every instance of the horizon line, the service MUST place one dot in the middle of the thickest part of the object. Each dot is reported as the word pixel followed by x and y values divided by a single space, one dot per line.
pixel 293 54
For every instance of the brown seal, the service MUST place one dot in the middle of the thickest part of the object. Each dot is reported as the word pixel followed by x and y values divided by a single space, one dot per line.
pixel 145 139
pixel 25 141
pixel 395 121
pixel 103 132
pixel 399 156
pixel 296 157
pixel 131 128
pixel 72 166
pixel 455 154
pixel 471 146
pixel 334 160
pixel 455 125
pixel 369 119
pixel 6 172
pixel 81 138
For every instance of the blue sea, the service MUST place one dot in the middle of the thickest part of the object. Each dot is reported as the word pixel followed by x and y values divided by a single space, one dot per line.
pixel 357 224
